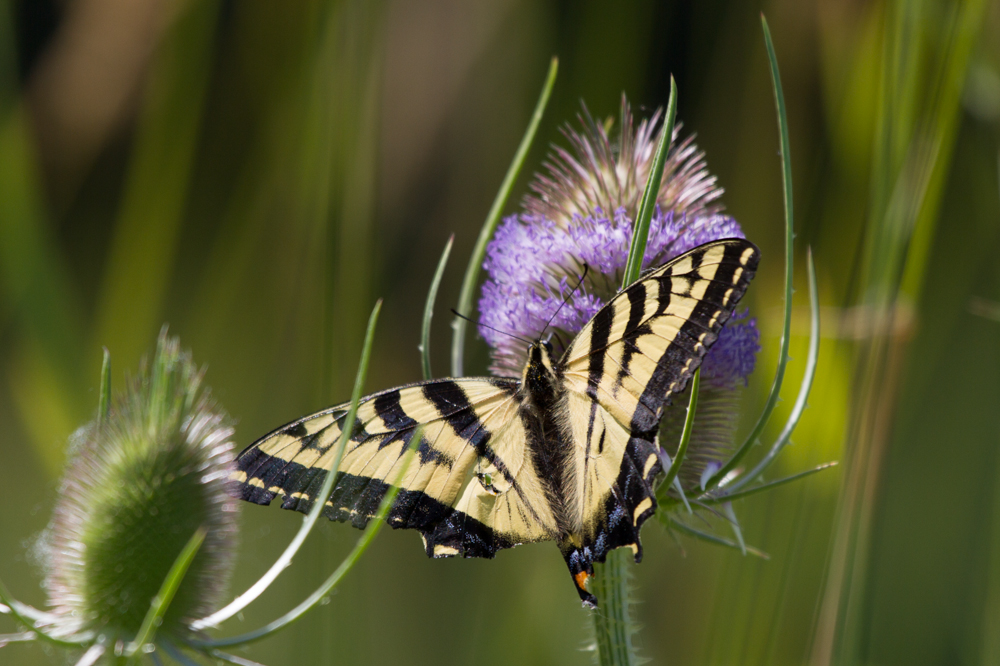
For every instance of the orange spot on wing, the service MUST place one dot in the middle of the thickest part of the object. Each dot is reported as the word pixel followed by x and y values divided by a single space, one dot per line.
pixel 581 579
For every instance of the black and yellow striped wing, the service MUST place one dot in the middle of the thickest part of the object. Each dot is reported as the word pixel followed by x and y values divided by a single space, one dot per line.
pixel 471 491
pixel 619 373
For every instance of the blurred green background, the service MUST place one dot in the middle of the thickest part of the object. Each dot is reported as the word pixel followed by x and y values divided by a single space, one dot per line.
pixel 257 173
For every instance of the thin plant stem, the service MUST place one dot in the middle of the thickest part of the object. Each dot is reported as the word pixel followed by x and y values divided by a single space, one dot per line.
pixel 765 486
pixel 425 329
pixel 640 232
pixel 232 658
pixel 675 466
pixel 807 380
pixel 786 184
pixel 161 602
pixel 713 538
pixel 316 509
pixel 492 220
pixel 176 654
pixel 371 531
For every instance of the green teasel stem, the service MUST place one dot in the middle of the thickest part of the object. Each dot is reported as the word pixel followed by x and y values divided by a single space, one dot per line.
pixel 613 628
pixel 786 182
pixel 425 329
pixel 492 220
pixel 640 230
pixel 612 622
pixel 316 509
pixel 161 602
pixel 371 531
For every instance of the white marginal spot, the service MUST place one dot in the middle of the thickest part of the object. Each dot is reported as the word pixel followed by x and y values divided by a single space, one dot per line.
pixel 745 257
pixel 641 508
pixel 441 550
pixel 726 297
pixel 256 483
pixel 239 476
pixel 736 275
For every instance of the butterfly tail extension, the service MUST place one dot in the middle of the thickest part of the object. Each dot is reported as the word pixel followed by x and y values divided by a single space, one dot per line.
pixel 627 506
pixel 581 569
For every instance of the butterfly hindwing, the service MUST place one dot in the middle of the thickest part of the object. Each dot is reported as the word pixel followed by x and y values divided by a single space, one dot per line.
pixel 471 489
pixel 620 372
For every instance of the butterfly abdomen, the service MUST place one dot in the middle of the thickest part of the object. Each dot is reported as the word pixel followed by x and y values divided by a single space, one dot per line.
pixel 551 449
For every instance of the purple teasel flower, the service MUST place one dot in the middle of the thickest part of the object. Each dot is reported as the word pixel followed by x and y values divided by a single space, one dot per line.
pixel 581 212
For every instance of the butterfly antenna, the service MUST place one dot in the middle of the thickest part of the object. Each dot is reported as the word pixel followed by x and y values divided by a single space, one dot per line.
pixel 479 323
pixel 566 300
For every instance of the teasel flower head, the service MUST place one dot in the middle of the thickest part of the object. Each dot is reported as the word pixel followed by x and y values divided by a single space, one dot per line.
pixel 141 480
pixel 580 213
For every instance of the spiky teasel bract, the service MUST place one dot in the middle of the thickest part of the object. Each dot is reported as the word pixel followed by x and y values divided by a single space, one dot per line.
pixel 608 173
pixel 581 213
pixel 141 480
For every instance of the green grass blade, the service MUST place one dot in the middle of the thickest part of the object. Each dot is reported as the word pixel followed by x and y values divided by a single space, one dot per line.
pixel 807 381
pixel 371 531
pixel 640 230
pixel 161 602
pixel 142 255
pixel 685 434
pixel 765 486
pixel 104 402
pixel 492 220
pixel 316 509
pixel 425 330
pixel 786 181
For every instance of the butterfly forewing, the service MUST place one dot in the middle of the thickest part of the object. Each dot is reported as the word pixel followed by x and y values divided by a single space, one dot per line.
pixel 621 370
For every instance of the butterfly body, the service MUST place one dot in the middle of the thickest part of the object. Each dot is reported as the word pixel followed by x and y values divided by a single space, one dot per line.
pixel 567 453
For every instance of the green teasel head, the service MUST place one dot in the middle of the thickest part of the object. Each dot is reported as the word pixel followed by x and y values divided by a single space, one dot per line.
pixel 143 477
